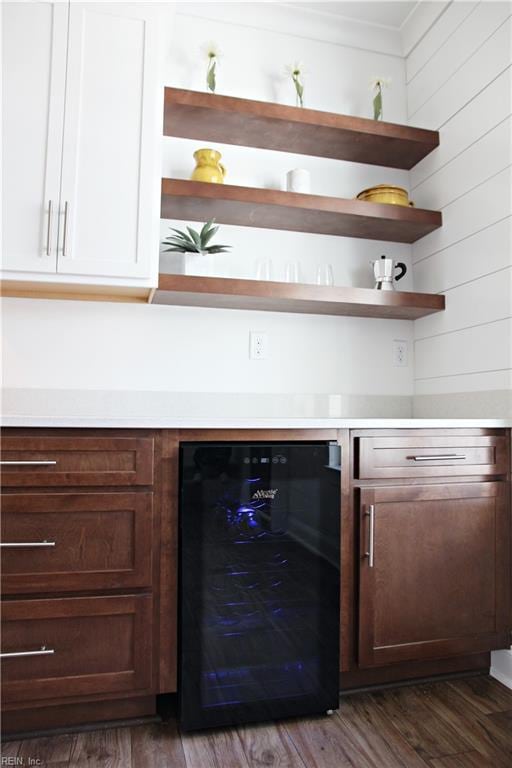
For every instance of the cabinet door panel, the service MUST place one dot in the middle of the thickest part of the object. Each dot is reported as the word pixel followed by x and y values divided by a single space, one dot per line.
pixel 34 68
pixel 110 208
pixel 440 581
pixel 67 542
pixel 75 646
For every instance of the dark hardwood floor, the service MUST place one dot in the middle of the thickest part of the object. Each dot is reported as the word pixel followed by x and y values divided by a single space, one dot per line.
pixel 464 723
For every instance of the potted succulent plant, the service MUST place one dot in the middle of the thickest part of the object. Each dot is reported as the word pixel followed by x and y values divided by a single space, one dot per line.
pixel 197 250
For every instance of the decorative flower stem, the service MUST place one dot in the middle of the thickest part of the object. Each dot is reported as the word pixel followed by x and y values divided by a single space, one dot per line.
pixel 377 103
pixel 296 72
pixel 299 88
pixel 210 73
pixel 212 55
pixel 376 84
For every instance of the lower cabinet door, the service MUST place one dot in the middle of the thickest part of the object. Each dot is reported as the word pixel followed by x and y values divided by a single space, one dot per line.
pixel 65 542
pixel 75 647
pixel 434 574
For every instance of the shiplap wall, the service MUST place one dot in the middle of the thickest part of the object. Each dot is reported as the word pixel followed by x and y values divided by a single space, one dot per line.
pixel 458 72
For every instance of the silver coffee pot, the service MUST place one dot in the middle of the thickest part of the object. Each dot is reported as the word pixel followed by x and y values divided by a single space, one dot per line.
pixel 384 271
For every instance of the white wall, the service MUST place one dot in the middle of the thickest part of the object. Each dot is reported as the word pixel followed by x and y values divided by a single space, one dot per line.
pixel 107 346
pixel 459 82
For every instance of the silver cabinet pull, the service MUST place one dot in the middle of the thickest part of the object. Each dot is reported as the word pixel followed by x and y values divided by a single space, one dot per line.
pixel 14 544
pixel 49 230
pixel 371 535
pixel 27 463
pixel 42 651
pixel 439 457
pixel 65 234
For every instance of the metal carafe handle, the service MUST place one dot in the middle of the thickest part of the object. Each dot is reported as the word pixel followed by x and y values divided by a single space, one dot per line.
pixel 403 269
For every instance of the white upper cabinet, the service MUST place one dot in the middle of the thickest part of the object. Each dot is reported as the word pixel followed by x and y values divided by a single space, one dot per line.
pixel 82 93
pixel 108 199
pixel 34 41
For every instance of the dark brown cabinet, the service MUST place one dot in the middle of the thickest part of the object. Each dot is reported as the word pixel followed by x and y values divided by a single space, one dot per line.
pixel 402 456
pixel 434 571
pixel 80 558
pixel 76 646
pixel 433 507
pixel 85 459
pixel 76 541
pixel 89 562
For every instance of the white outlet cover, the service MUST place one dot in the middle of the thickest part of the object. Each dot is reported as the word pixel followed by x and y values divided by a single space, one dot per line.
pixel 400 353
pixel 258 345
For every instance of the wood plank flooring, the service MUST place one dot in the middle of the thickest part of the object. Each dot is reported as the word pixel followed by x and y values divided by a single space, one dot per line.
pixel 464 723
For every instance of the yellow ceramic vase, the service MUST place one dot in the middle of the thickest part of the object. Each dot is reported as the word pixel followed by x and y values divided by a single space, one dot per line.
pixel 208 166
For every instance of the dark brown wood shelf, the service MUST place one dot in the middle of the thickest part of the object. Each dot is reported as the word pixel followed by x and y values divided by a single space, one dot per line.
pixel 229 293
pixel 273 209
pixel 210 117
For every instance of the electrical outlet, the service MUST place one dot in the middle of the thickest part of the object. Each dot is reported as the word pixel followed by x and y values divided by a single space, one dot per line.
pixel 400 353
pixel 258 345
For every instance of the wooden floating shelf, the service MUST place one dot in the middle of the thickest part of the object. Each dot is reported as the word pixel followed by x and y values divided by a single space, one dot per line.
pixel 229 293
pixel 273 209
pixel 248 123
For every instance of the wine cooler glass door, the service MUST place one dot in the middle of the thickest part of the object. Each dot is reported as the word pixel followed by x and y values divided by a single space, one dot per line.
pixel 259 582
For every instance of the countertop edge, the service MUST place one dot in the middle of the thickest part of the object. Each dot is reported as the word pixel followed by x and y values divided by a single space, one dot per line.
pixel 246 423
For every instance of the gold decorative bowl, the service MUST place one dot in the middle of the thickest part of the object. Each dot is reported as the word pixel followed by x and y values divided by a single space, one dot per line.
pixel 385 193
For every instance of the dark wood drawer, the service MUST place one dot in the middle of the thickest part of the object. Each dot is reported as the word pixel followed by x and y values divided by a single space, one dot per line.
pixel 76 646
pixel 84 541
pixel 68 460
pixel 436 456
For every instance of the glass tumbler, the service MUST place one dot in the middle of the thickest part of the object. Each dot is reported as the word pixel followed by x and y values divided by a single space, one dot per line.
pixel 325 275
pixel 292 272
pixel 264 269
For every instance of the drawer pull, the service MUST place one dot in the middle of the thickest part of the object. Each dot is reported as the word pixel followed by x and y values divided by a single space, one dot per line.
pixel 28 463
pixel 43 651
pixel 12 544
pixel 371 535
pixel 440 457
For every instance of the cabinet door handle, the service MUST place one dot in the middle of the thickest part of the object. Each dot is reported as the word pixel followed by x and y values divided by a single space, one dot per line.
pixel 15 544
pixel 49 463
pixel 439 457
pixel 371 536
pixel 65 234
pixel 49 230
pixel 42 651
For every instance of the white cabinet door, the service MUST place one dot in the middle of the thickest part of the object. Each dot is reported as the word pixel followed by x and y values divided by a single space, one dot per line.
pixel 110 190
pixel 34 40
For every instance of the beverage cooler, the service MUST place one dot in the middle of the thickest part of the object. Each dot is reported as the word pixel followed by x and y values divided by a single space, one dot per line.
pixel 259 581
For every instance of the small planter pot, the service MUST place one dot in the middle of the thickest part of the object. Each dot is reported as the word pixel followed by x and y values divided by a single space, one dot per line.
pixel 199 264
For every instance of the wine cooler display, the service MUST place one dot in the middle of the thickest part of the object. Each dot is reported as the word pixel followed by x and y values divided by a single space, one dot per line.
pixel 259 581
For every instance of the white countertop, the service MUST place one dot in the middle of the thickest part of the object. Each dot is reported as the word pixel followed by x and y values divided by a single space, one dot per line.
pixel 132 422
pixel 203 410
